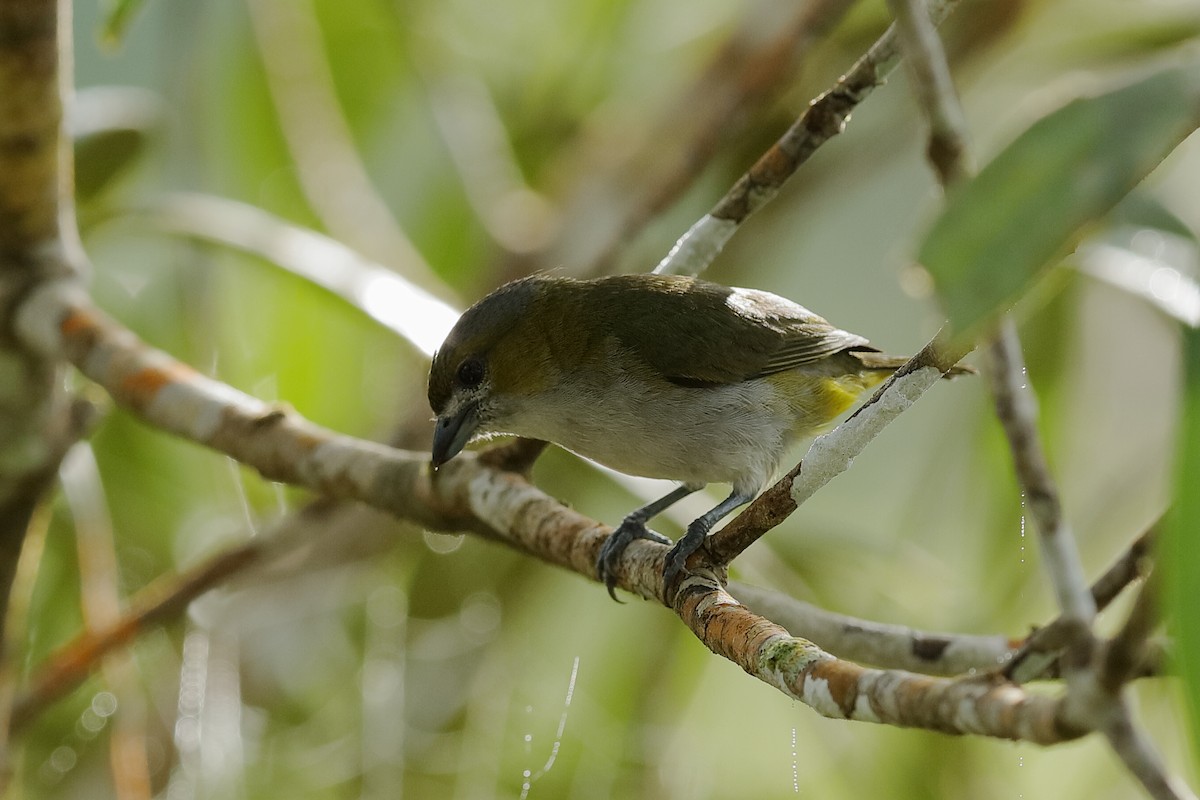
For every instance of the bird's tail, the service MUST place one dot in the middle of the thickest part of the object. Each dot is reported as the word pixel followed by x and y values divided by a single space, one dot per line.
pixel 885 363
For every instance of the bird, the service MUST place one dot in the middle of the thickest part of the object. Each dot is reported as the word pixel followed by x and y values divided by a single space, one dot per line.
pixel 660 376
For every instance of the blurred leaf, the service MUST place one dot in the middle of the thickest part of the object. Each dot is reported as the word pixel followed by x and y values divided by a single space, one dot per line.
pixel 1148 251
pixel 1155 32
pixel 103 156
pixel 400 305
pixel 111 127
pixel 1000 230
pixel 1142 209
pixel 1182 544
pixel 118 19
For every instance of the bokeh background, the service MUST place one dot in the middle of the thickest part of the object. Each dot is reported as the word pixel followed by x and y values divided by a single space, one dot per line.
pixel 461 143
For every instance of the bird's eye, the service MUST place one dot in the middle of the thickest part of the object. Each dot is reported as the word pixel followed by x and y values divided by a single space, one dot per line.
pixel 470 373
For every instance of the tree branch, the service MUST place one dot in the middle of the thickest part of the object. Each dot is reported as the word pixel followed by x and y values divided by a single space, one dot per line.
pixel 467 494
pixel 947 150
pixel 877 643
pixel 831 455
pixel 1038 656
pixel 1095 675
pixel 825 117
pixel 746 72
pixel 844 690
pixel 1016 408
pixel 38 423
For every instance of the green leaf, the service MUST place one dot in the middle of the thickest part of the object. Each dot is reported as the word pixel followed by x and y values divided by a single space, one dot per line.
pixel 117 20
pixel 1181 547
pixel 1030 205
pixel 111 128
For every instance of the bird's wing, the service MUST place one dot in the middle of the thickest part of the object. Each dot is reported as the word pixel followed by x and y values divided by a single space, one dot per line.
pixel 703 333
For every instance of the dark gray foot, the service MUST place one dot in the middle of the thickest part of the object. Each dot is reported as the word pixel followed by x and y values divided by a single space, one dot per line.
pixel 673 569
pixel 610 553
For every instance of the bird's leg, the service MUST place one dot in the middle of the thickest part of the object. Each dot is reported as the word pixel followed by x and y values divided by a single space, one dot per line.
pixel 634 527
pixel 690 542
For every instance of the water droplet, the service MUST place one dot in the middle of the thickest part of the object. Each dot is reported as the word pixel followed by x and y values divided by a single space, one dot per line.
pixel 480 613
pixel 104 704
pixel 63 759
pixel 443 543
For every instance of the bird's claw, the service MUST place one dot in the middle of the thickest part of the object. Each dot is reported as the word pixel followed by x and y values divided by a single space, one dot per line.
pixel 676 560
pixel 614 547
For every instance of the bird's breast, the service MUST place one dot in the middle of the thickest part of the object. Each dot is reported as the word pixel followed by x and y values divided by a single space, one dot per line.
pixel 733 434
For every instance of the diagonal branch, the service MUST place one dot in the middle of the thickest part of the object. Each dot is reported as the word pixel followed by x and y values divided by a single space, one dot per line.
pixel 751 66
pixel 825 117
pixel 469 495
pixel 853 639
pixel 831 455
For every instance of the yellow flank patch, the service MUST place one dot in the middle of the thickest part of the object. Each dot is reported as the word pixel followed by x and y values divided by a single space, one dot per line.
pixel 817 400
pixel 838 394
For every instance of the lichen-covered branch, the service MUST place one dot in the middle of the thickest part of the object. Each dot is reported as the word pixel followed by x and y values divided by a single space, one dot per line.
pixel 470 494
pixel 877 643
pixel 844 690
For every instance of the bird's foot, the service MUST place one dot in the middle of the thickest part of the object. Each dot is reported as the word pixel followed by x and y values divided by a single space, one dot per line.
pixel 673 569
pixel 614 547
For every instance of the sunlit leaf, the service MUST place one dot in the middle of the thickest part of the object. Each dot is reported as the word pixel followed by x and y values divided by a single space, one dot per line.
pixel 1029 205
pixel 1141 209
pixel 391 300
pixel 1182 545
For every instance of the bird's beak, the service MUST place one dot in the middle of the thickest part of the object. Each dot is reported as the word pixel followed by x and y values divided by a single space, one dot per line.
pixel 452 432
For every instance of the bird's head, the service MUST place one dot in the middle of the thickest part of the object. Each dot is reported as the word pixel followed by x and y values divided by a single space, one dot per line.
pixel 497 354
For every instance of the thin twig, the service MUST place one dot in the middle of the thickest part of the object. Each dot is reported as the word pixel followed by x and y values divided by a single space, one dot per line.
pixel 939 653
pixel 15 629
pixel 832 454
pixel 100 604
pixel 1123 655
pixel 1137 753
pixel 746 72
pixel 164 599
pixel 1016 408
pixel 1038 655
pixel 1132 564
pixel 825 117
pixel 935 91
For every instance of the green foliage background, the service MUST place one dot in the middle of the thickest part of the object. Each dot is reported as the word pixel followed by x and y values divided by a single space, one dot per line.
pixel 394 662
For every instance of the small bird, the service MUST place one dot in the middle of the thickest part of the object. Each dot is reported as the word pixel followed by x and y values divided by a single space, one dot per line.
pixel 654 375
